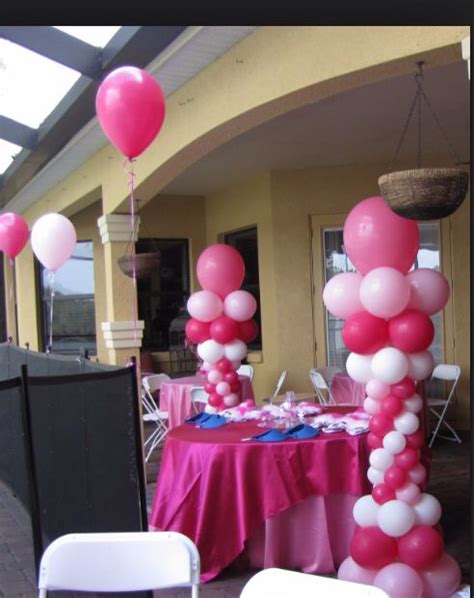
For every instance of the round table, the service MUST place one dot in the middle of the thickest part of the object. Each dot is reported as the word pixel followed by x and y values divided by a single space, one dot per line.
pixel 254 499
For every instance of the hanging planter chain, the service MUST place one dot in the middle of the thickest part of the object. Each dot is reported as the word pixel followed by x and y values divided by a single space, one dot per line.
pixel 424 193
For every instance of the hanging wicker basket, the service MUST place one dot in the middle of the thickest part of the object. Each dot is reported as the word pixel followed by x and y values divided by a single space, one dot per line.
pixel 145 264
pixel 424 193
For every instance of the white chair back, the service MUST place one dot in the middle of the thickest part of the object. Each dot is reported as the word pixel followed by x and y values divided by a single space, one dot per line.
pixel 152 413
pixel 321 379
pixel 199 398
pixel 281 379
pixel 280 583
pixel 246 370
pixel 119 562
pixel 445 371
pixel 438 407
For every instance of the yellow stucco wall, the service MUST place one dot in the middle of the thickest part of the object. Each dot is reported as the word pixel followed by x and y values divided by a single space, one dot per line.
pixel 243 206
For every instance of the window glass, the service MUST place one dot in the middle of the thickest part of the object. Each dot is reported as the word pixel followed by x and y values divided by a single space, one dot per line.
pixel 162 297
pixel 246 243
pixel 336 261
pixel 73 304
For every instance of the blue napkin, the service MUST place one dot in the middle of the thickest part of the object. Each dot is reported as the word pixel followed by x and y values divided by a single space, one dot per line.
pixel 212 421
pixel 199 417
pixel 271 435
pixel 302 431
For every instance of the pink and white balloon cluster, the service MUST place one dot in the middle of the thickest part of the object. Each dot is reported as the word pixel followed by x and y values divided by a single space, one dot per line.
pixel 397 544
pixel 53 238
pixel 221 322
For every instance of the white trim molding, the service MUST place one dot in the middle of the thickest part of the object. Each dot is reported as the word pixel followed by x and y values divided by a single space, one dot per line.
pixel 117 227
pixel 123 334
pixel 466 53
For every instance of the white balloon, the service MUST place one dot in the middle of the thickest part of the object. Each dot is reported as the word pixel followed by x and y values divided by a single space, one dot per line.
pixel 406 422
pixel 365 511
pixel 236 350
pixel 371 406
pixel 389 365
pixel 414 404
pixel 381 459
pixel 223 388
pixel 427 510
pixel 395 518
pixel 374 476
pixel 53 239
pixel 358 367
pixel 420 365
pixel 417 474
pixel 210 351
pixel 394 442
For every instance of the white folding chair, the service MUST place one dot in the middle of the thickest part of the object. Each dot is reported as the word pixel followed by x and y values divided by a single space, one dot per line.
pixel 321 379
pixel 151 411
pixel 119 562
pixel 438 407
pixel 280 381
pixel 246 370
pixel 280 583
pixel 199 398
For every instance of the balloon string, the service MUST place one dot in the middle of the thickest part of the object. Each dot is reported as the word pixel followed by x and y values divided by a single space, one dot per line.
pixel 12 291
pixel 51 291
pixel 128 165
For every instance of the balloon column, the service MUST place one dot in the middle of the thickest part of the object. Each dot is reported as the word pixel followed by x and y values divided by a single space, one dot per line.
pixel 397 544
pixel 221 322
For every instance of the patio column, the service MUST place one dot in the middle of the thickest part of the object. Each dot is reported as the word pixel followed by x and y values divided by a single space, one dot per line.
pixel 466 53
pixel 122 334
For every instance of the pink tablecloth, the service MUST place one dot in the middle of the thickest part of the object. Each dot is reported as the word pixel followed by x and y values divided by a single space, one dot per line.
pixel 228 495
pixel 175 396
pixel 345 390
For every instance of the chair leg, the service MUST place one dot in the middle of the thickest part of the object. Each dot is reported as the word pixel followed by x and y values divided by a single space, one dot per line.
pixel 441 420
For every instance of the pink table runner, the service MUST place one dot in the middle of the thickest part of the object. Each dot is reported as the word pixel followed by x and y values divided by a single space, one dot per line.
pixel 175 396
pixel 346 390
pixel 220 491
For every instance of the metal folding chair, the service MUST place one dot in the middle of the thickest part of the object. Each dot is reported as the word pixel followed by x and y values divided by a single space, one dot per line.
pixel 321 379
pixel 246 370
pixel 151 411
pixel 120 562
pixel 199 398
pixel 280 381
pixel 438 407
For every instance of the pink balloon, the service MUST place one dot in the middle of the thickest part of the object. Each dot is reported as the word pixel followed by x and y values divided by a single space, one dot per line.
pixel 130 107
pixel 220 269
pixel 384 292
pixel 409 493
pixel 374 441
pixel 420 365
pixel 204 306
pixel 370 547
pixel 442 578
pixel 223 388
pixel 364 333
pixel 197 331
pixel 403 389
pixel 215 377
pixel 341 294
pixel 429 290
pixel 223 329
pixel 375 236
pixel 13 233
pixel 382 493
pixel 349 570
pixel 399 581
pixel 411 331
pixel 231 400
pixel 377 389
pixel 391 406
pixel 53 239
pixel 240 305
pixel 421 547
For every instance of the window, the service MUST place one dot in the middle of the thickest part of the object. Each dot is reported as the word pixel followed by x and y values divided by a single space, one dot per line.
pixel 73 304
pixel 336 261
pixel 162 296
pixel 246 243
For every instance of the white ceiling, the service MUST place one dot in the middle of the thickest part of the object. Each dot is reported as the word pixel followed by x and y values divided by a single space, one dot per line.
pixel 360 126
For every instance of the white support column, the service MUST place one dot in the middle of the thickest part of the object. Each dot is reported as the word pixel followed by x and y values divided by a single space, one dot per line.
pixel 466 53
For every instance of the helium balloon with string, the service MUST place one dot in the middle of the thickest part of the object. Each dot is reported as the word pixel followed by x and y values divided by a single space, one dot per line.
pixel 397 545
pixel 53 239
